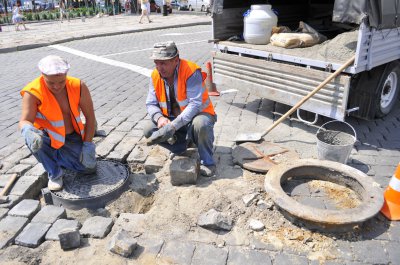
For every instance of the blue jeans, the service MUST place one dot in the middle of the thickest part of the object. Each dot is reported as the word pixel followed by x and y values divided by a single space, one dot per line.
pixel 199 131
pixel 53 160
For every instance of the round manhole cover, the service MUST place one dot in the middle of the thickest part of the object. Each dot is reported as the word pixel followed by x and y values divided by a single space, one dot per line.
pixel 94 190
pixel 260 157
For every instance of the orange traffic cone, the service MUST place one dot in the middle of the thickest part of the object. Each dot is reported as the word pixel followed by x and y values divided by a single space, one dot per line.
pixel 211 87
pixel 391 206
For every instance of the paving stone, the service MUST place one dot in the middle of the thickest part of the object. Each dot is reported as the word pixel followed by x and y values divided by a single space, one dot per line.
pixel 108 144
pixel 394 231
pixel 392 248
pixel 133 222
pixel 283 258
pixel 31 160
pixel 59 226
pixel 183 256
pixel 26 208
pixel 344 250
pixel 10 227
pixel 19 169
pixel 123 243
pixel 154 164
pixel 3 212
pixel 123 149
pixel 185 169
pixel 370 251
pixel 69 238
pixel 49 214
pixel 148 248
pixel 210 255
pixel 238 256
pixel 32 235
pixel 4 178
pixel 28 187
pixel 12 201
pixel 97 227
pixel 138 154
pixel 37 170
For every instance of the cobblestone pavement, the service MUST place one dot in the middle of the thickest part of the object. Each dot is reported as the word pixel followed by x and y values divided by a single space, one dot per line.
pixel 116 69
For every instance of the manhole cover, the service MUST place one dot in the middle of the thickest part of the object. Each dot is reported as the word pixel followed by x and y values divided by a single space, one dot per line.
pixel 95 190
pixel 260 157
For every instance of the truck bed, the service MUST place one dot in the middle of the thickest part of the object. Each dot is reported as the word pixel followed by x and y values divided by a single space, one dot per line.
pixel 335 51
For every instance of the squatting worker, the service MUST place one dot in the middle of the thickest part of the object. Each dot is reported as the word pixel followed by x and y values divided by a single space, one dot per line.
pixel 181 111
pixel 51 122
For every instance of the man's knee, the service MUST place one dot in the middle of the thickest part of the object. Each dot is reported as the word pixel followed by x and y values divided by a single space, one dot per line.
pixel 203 125
pixel 148 128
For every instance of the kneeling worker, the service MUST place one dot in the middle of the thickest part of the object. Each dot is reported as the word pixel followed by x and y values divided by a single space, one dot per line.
pixel 181 111
pixel 51 124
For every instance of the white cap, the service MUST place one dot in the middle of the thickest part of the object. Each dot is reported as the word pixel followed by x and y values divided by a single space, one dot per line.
pixel 53 65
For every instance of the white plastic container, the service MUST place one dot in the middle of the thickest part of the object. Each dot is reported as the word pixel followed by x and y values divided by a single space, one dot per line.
pixel 258 24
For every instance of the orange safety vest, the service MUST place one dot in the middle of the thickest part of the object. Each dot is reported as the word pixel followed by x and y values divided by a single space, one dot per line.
pixel 49 116
pixel 186 70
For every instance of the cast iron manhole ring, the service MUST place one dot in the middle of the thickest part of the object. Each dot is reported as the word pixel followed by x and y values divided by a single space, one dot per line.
pixel 368 190
pixel 94 190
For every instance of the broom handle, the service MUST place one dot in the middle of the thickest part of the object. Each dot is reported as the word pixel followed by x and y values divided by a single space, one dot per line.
pixel 295 107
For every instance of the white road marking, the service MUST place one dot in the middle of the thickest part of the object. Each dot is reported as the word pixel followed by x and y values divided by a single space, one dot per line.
pixel 148 49
pixel 180 34
pixel 133 68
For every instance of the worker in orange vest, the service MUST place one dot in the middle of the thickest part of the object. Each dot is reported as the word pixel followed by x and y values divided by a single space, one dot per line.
pixel 179 107
pixel 51 122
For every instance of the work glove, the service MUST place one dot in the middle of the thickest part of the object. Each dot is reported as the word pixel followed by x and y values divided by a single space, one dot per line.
pixel 163 134
pixel 88 155
pixel 33 137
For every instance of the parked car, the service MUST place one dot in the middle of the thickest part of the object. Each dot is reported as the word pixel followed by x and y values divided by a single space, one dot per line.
pixel 180 5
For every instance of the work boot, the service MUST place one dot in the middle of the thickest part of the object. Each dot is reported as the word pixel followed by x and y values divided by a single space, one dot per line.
pixel 55 184
pixel 207 171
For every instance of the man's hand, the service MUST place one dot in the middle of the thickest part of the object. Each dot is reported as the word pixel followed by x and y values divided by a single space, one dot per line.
pixel 33 137
pixel 162 135
pixel 162 121
pixel 88 155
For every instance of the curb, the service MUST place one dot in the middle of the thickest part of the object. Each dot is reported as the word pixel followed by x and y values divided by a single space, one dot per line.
pixel 38 45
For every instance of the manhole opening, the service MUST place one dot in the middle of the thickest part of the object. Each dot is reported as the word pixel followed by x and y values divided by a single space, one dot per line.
pixel 321 194
pixel 322 188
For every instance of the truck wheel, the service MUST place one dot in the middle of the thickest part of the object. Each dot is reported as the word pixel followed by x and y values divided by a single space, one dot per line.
pixel 388 90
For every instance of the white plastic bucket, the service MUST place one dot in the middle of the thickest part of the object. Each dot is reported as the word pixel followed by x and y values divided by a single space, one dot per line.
pixel 258 24
pixel 335 145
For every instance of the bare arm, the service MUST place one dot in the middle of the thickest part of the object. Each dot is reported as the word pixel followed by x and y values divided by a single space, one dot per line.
pixel 86 105
pixel 29 109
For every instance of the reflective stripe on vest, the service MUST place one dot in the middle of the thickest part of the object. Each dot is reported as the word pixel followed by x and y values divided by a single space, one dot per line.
pixel 49 116
pixel 395 183
pixel 185 71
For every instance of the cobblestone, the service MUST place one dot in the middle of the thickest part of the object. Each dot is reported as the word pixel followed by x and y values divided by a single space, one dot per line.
pixel 10 227
pixel 28 187
pixel 59 226
pixel 25 208
pixel 183 256
pixel 32 235
pixel 97 227
pixel 238 256
pixel 49 214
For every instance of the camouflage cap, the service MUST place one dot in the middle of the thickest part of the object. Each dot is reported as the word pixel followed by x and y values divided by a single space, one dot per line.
pixel 164 51
pixel 53 65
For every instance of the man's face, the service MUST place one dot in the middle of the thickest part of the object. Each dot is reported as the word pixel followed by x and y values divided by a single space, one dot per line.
pixel 55 83
pixel 166 68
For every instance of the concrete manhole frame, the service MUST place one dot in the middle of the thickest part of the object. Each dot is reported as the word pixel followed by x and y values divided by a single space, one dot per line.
pixel 371 196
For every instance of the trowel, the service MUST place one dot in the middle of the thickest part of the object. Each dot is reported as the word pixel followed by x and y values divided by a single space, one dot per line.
pixel 255 137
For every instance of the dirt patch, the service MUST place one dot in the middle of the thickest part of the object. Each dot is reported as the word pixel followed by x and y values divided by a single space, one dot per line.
pixel 342 197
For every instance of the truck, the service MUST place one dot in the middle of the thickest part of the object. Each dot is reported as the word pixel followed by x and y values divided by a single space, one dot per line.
pixel 366 29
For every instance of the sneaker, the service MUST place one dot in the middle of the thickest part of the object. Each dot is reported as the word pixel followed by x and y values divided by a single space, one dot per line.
pixel 207 171
pixel 55 184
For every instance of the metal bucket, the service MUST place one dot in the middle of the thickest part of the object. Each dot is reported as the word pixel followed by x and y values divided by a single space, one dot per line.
pixel 335 145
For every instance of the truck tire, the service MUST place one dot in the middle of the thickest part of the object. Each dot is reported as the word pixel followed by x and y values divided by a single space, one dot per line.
pixel 388 90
